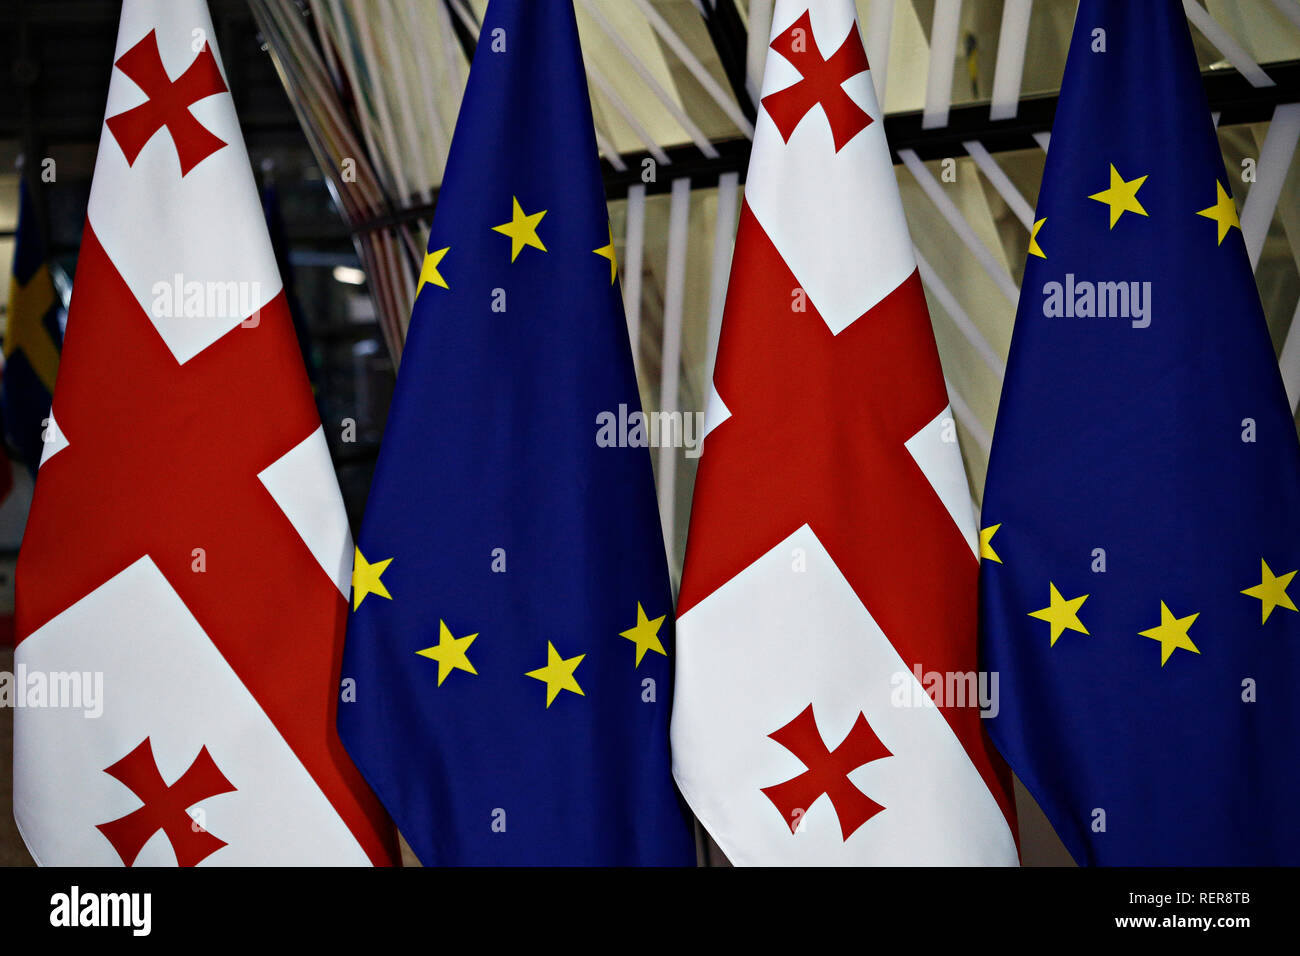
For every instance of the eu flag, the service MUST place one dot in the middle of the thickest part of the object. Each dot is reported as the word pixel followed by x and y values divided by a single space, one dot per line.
pixel 507 671
pixel 33 337
pixel 1141 523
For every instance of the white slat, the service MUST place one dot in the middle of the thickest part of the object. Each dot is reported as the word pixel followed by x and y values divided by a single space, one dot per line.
pixel 726 102
pixel 943 57
pixel 1290 361
pixel 1270 173
pixel 674 300
pixel 608 151
pixel 952 305
pixel 1001 182
pixel 966 416
pixel 1226 44
pixel 397 162
pixel 668 101
pixel 724 236
pixel 648 141
pixel 948 209
pixel 760 31
pixel 880 28
pixel 1009 71
pixel 633 252
pixel 1290 9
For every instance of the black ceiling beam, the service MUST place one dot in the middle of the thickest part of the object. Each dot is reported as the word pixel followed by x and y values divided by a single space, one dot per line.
pixel 1228 92
pixel 80 119
pixel 46 12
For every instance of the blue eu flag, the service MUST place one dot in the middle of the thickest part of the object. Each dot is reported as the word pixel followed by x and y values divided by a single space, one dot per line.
pixel 1141 522
pixel 509 656
pixel 32 338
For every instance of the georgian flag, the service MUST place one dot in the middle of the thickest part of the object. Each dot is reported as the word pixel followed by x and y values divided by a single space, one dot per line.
pixel 831 557
pixel 187 544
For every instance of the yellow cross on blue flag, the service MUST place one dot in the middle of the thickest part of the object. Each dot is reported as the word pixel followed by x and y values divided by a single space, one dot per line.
pixel 1141 520
pixel 508 661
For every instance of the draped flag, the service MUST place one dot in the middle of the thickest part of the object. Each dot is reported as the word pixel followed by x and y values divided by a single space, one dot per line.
pixel 830 569
pixel 1141 524
pixel 181 588
pixel 511 636
pixel 33 334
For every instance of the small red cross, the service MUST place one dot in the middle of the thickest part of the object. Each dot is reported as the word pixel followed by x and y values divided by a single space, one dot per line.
pixel 828 772
pixel 168 104
pixel 163 807
pixel 822 83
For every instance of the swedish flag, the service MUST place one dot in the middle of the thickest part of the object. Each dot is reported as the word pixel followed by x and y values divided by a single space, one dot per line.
pixel 507 670
pixel 1141 524
pixel 33 336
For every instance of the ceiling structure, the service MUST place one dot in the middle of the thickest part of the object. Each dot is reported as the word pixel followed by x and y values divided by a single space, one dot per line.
pixel 968 90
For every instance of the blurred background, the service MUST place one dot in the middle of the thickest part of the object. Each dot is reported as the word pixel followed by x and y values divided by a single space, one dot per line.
pixel 348 107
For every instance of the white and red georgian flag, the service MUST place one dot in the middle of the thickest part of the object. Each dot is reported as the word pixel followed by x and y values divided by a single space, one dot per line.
pixel 831 553
pixel 187 540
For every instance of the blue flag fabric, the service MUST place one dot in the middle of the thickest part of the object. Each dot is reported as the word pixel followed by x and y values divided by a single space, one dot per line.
pixel 33 337
pixel 1141 522
pixel 511 642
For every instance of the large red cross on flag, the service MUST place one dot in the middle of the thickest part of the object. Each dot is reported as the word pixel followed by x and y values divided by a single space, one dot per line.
pixel 182 582
pixel 831 550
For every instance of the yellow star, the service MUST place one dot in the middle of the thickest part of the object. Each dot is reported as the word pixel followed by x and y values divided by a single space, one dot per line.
pixel 1121 196
pixel 1223 212
pixel 558 673
pixel 986 543
pixel 1271 591
pixel 365 579
pixel 1060 613
pixel 1034 248
pixel 449 652
pixel 1171 633
pixel 607 252
pixel 429 271
pixel 645 635
pixel 522 230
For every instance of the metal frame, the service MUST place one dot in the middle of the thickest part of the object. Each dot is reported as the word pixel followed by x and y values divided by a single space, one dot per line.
pixel 1229 94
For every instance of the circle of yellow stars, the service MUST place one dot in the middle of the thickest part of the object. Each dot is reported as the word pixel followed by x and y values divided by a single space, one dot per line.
pixel 1121 196
pixel 522 231
pixel 1173 631
pixel 1062 613
pixel 452 653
